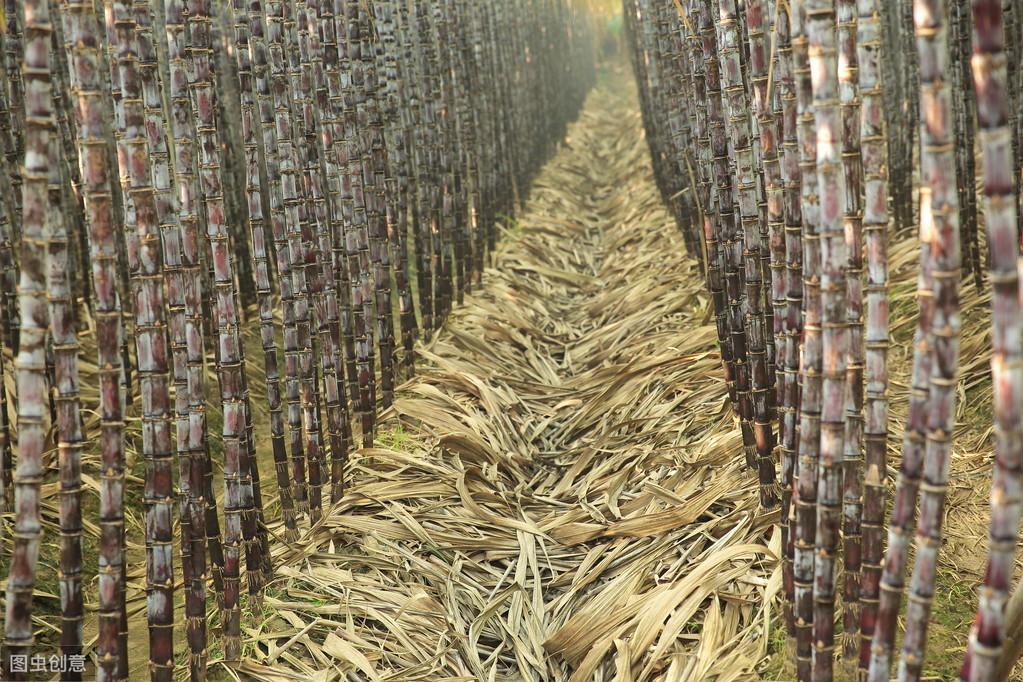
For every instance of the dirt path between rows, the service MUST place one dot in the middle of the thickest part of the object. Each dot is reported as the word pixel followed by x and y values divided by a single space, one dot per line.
pixel 560 494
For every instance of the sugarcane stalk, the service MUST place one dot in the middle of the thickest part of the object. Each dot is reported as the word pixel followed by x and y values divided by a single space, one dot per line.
pixel 737 107
pixel 793 224
pixel 239 516
pixel 834 328
pixel 652 104
pixel 904 150
pixel 477 109
pixel 314 227
pixel 852 463
pixel 409 185
pixel 191 478
pixel 338 309
pixel 259 265
pixel 270 160
pixel 424 213
pixel 14 57
pixel 710 139
pixel 731 238
pixel 443 199
pixel 768 130
pixel 342 94
pixel 7 205
pixel 84 45
pixel 963 108
pixel 926 361
pixel 231 148
pixel 465 142
pixel 497 163
pixel 904 510
pixel 397 182
pixel 809 443
pixel 151 345
pixel 374 162
pixel 30 361
pixel 430 89
pixel 938 161
pixel 297 336
pixel 187 188
pixel 357 239
pixel 308 287
pixel 8 306
pixel 677 124
pixel 240 479
pixel 244 286
pixel 8 271
pixel 9 212
pixel 718 246
pixel 127 239
pixel 875 227
pixel 70 441
pixel 903 514
pixel 990 74
pixel 501 120
pixel 378 87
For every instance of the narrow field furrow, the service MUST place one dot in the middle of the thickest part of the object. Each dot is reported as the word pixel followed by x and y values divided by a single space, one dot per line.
pixel 561 493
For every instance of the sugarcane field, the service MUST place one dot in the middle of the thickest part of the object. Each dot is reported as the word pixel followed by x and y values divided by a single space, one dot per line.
pixel 511 340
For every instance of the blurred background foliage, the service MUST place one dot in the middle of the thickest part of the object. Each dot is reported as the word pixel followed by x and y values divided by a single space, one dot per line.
pixel 607 19
pixel 605 8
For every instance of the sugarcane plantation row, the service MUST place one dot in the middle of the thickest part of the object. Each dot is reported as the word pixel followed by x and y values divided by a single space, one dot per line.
pixel 341 166
pixel 790 138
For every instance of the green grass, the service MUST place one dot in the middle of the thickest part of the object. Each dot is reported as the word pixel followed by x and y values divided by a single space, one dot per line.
pixel 393 439
pixel 778 666
pixel 951 617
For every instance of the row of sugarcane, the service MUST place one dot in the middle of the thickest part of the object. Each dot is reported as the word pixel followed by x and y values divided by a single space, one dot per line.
pixel 772 133
pixel 169 166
